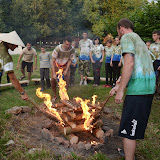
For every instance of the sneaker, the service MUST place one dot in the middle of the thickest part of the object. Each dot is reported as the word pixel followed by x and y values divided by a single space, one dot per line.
pixel 81 82
pixel 108 86
pixel 85 83
pixel 96 85
pixel 42 89
pixel 104 85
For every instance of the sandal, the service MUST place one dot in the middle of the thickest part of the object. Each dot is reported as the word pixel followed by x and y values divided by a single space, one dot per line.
pixel 21 78
pixel 54 99
pixel 121 152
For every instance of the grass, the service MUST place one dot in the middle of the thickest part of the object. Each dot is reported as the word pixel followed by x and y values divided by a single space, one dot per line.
pixel 147 149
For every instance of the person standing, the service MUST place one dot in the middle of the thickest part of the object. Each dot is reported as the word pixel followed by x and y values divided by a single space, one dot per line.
pixel 97 56
pixel 155 49
pixel 116 61
pixel 108 69
pixel 45 64
pixel 28 52
pixel 10 41
pixel 139 77
pixel 85 46
pixel 62 57
pixel 73 65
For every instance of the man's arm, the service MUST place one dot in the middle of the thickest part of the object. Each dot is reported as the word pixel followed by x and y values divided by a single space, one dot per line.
pixel 53 68
pixel 35 62
pixel 111 64
pixel 19 59
pixel 90 54
pixel 125 77
pixel 17 85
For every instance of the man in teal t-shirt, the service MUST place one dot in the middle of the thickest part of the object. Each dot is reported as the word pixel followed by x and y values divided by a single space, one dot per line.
pixel 139 78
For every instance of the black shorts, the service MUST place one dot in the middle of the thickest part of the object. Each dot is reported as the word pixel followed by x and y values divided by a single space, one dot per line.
pixel 29 66
pixel 135 114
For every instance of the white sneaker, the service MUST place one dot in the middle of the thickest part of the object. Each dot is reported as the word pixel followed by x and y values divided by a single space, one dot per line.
pixel 85 83
pixel 81 82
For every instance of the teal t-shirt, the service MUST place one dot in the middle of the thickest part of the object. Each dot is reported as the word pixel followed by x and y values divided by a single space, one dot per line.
pixel 143 78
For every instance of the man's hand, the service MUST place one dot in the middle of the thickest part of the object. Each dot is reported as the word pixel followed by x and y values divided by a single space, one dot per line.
pixel 74 65
pixel 65 72
pixel 158 68
pixel 114 90
pixel 111 64
pixel 101 61
pixel 119 64
pixel 25 97
pixel 119 97
pixel 93 61
pixel 55 76
pixel 17 66
pixel 35 67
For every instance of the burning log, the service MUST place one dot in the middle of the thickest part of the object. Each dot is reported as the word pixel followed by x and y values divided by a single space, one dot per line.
pixel 99 133
pixel 98 124
pixel 72 124
pixel 72 114
pixel 73 139
pixel 69 130
pixel 59 105
pixel 68 103
pixel 94 106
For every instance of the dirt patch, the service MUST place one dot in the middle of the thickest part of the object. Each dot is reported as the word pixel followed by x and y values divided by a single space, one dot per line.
pixel 36 130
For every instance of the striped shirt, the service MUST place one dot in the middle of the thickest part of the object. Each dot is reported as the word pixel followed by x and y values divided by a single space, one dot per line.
pixel 45 60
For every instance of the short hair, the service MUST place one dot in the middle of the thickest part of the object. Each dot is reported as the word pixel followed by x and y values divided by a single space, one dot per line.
pixel 98 39
pixel 117 37
pixel 149 41
pixel 126 23
pixel 85 32
pixel 109 41
pixel 42 46
pixel 156 32
pixel 28 43
pixel 68 38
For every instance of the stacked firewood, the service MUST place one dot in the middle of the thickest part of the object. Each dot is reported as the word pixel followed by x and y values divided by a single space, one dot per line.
pixel 72 114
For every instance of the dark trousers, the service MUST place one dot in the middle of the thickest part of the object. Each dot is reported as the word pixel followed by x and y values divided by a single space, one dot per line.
pixel 116 71
pixel 72 74
pixel 109 71
pixel 96 72
pixel 8 79
pixel 44 73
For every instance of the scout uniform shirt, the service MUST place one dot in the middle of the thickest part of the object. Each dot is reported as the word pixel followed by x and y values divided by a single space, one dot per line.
pixel 97 52
pixel 28 54
pixel 143 78
pixel 155 49
pixel 108 53
pixel 6 62
pixel 62 56
pixel 85 47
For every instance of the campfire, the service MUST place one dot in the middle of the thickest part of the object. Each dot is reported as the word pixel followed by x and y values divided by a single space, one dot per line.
pixel 75 115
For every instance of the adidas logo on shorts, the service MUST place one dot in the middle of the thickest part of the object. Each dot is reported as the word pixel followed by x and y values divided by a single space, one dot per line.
pixel 124 132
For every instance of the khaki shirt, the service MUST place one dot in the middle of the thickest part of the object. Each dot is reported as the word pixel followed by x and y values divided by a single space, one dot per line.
pixel 28 54
pixel 6 62
pixel 62 56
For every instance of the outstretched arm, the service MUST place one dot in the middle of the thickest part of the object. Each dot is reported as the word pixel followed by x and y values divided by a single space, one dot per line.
pixel 17 85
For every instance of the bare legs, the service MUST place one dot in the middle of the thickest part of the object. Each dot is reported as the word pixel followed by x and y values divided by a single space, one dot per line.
pixel 129 148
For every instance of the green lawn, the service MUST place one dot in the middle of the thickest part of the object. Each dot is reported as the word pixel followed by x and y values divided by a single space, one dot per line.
pixel 148 149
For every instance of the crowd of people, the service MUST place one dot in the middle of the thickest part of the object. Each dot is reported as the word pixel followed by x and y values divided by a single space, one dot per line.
pixel 140 72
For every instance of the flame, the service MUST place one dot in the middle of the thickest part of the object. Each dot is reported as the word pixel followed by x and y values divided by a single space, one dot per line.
pixel 48 103
pixel 86 115
pixel 94 143
pixel 94 99
pixel 62 85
